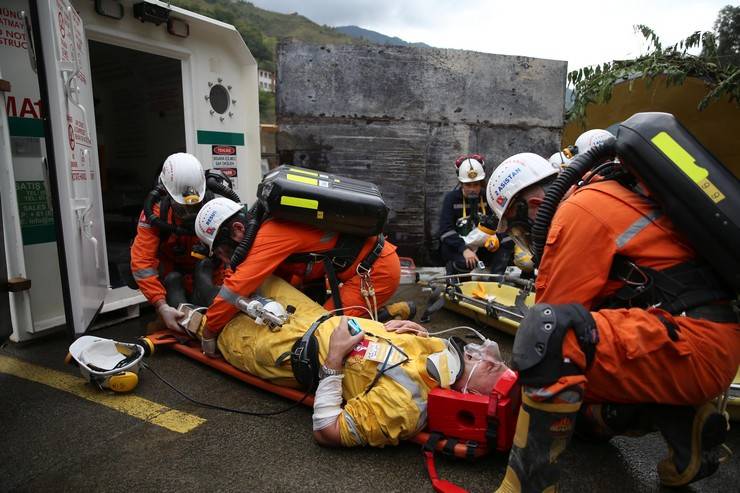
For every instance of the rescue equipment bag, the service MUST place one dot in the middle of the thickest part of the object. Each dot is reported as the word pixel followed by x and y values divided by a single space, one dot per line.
pixel 695 190
pixel 323 200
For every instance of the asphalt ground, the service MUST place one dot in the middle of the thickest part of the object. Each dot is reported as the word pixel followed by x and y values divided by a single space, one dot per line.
pixel 53 440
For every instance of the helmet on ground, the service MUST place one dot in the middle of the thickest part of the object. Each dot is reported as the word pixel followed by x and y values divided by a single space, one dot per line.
pixel 559 160
pixel 470 170
pixel 514 175
pixel 210 218
pixel 183 177
pixel 591 138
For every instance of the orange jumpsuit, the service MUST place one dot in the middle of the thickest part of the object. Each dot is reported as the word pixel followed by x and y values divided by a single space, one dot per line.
pixel 636 361
pixel 152 261
pixel 276 240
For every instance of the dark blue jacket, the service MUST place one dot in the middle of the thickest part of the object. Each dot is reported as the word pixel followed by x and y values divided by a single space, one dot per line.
pixel 452 210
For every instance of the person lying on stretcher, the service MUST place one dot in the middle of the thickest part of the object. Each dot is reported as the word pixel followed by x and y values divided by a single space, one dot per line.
pixel 384 373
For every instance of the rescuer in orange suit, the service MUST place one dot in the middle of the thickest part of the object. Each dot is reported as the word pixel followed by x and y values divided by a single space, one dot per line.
pixel 221 225
pixel 161 262
pixel 640 359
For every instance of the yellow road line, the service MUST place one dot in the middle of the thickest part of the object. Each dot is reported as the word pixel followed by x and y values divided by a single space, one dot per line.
pixel 132 405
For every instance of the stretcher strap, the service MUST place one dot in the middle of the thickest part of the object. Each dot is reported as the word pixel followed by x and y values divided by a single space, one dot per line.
pixel 439 485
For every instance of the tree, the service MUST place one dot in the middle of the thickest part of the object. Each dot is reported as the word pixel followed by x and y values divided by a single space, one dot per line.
pixel 727 27
pixel 595 84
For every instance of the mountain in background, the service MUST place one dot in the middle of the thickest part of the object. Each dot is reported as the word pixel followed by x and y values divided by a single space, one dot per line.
pixel 376 37
pixel 261 28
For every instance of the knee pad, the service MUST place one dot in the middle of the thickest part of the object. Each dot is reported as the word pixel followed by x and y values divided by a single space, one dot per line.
pixel 538 345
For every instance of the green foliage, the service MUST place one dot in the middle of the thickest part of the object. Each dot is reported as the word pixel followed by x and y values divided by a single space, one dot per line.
pixel 727 27
pixel 267 107
pixel 261 29
pixel 594 84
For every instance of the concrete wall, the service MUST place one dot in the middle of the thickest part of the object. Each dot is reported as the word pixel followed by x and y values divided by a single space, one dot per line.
pixel 399 117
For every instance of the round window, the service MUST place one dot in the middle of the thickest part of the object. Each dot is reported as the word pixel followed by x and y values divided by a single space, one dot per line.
pixel 219 98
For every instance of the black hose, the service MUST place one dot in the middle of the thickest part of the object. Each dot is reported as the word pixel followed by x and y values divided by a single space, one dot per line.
pixel 555 192
pixel 224 408
pixel 154 197
pixel 215 186
pixel 254 219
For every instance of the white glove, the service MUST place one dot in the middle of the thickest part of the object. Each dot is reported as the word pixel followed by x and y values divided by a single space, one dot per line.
pixel 170 316
pixel 475 239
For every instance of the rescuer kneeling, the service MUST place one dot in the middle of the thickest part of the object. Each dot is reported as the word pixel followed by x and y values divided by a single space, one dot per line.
pixel 633 332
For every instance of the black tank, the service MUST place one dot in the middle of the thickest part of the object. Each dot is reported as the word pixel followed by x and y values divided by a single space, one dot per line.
pixel 698 193
pixel 323 200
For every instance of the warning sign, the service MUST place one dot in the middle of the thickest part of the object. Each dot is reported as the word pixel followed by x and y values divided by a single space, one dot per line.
pixel 224 156
pixel 12 29
pixel 37 220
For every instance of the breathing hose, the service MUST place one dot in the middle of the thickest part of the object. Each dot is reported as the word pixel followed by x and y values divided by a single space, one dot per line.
pixel 215 186
pixel 254 219
pixel 156 196
pixel 555 192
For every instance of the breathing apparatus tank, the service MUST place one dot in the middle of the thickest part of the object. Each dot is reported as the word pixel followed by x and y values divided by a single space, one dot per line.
pixel 323 200
pixel 695 190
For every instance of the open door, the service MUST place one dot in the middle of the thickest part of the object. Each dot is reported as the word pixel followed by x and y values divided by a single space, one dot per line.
pixel 64 75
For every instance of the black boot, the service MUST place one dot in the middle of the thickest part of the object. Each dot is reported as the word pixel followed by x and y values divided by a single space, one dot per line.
pixel 695 438
pixel 543 430
pixel 402 310
pixel 204 291
pixel 601 422
pixel 175 288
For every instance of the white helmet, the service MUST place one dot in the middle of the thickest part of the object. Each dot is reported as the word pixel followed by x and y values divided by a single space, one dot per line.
pixel 470 170
pixel 210 218
pixel 182 175
pixel 511 177
pixel 559 161
pixel 591 138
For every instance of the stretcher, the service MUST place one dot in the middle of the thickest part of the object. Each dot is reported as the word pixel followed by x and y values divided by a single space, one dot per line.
pixel 498 301
pixel 166 339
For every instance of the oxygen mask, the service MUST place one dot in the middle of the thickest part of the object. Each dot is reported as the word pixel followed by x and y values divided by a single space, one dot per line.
pixel 487 350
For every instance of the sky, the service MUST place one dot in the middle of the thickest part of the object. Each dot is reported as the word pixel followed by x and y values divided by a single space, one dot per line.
pixel 578 31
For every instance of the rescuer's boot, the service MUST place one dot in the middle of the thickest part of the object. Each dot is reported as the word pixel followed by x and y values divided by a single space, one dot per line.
pixel 543 430
pixel 601 422
pixel 402 310
pixel 204 291
pixel 175 289
pixel 695 438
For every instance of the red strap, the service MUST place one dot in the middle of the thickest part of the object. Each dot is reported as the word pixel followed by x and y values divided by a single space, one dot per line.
pixel 440 485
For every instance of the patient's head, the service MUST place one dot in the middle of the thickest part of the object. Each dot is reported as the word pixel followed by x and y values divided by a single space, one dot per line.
pixel 480 372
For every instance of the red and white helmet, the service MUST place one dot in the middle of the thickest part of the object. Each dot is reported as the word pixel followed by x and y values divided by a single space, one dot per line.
pixel 210 218
pixel 514 175
pixel 591 138
pixel 470 170
pixel 183 178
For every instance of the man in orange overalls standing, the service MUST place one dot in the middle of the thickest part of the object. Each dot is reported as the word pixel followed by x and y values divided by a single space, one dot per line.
pixel 370 277
pixel 639 358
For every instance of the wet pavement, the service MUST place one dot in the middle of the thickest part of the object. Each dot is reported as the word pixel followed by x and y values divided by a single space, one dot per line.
pixel 56 441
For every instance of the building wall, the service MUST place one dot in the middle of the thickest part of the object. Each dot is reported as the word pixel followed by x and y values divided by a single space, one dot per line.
pixel 266 80
pixel 399 117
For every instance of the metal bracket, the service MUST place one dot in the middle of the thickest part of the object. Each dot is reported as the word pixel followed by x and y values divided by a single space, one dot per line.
pixel 16 285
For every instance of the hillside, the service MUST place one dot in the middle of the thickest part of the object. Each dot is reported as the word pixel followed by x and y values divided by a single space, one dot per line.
pixel 376 37
pixel 261 28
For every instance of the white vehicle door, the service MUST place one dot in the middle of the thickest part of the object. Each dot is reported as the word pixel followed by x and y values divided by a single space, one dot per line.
pixel 73 167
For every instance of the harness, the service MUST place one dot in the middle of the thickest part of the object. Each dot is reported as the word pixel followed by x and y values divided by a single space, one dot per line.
pixel 690 289
pixel 337 260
